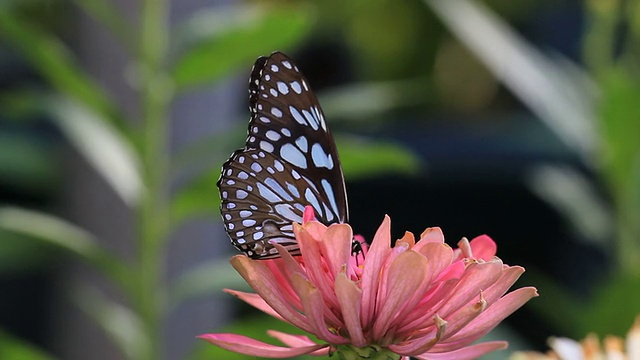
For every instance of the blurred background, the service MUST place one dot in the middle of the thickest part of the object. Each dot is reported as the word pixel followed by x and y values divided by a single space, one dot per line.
pixel 515 119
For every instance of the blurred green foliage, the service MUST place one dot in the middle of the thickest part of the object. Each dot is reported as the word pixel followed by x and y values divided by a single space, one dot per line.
pixel 13 348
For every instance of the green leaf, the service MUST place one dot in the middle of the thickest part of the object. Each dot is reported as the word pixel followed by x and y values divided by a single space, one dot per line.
pixel 362 157
pixel 64 235
pixel 206 280
pixel 216 43
pixel 199 198
pixel 28 164
pixel 13 348
pixel 555 299
pixel 370 99
pixel 121 324
pixel 558 92
pixel 110 154
pixel 19 255
pixel 106 13
pixel 212 149
pixel 54 61
pixel 614 306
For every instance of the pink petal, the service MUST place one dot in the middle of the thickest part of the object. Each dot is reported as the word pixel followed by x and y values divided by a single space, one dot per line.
pixel 453 271
pixel 383 283
pixel 405 277
pixel 490 318
pixel 336 246
pixel 349 297
pixel 423 318
pixel 407 238
pixel 483 247
pixel 452 295
pixel 461 318
pixel 256 301
pixel 314 263
pixel 432 234
pixel 314 309
pixel 315 229
pixel 248 346
pixel 476 277
pixel 509 276
pixel 380 247
pixel 277 267
pixel 308 214
pixel 419 299
pixel 262 281
pixel 427 339
pixel 297 341
pixel 440 257
pixel 469 352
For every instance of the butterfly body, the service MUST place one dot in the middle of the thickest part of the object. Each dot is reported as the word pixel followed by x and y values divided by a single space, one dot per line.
pixel 290 160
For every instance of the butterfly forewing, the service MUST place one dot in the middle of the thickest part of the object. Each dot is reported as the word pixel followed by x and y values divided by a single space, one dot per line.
pixel 289 161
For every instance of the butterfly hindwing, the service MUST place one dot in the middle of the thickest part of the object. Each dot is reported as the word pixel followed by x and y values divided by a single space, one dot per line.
pixel 289 161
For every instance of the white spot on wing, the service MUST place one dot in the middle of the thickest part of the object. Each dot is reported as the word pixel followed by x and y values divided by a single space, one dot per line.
pixel 276 112
pixel 256 167
pixel 275 68
pixel 293 155
pixel 328 189
pixel 273 135
pixel 283 88
pixel 267 194
pixel 296 87
pixel 287 212
pixel 296 115
pixel 275 186
pixel 329 213
pixel 321 158
pixel 292 189
pixel 319 117
pixel 313 200
pixel 302 143
pixel 311 120
pixel 266 146
pixel 278 165
pixel 241 194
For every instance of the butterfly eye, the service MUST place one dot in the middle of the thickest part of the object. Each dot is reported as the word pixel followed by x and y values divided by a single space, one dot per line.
pixel 289 161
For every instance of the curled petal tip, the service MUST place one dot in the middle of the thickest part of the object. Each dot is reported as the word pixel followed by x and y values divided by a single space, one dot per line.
pixel 308 214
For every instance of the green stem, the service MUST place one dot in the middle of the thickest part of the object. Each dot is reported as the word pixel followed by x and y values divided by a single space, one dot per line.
pixel 154 214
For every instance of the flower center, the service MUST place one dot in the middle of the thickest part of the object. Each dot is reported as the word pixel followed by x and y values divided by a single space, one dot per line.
pixel 371 352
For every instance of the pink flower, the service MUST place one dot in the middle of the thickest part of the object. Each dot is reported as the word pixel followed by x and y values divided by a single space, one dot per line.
pixel 421 299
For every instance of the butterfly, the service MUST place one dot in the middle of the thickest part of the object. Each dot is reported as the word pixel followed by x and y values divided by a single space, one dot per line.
pixel 290 160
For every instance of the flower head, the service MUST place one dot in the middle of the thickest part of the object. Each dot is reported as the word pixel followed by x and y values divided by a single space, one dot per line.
pixel 421 299
pixel 612 348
